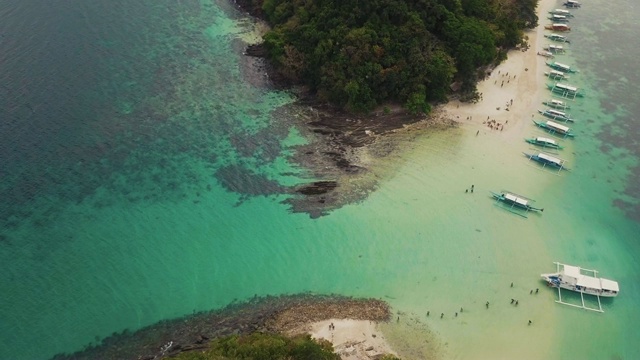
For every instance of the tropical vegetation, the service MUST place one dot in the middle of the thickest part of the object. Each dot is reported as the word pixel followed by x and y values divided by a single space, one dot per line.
pixel 358 54
pixel 264 346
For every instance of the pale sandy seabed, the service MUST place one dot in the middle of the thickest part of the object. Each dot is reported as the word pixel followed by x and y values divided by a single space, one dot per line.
pixel 517 85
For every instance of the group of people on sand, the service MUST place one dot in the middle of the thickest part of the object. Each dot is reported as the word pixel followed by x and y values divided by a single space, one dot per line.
pixel 493 124
pixel 509 78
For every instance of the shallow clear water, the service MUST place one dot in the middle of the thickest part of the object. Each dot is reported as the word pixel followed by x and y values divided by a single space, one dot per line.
pixel 142 179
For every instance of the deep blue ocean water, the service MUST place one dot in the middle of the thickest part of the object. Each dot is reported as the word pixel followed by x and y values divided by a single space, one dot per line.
pixel 143 173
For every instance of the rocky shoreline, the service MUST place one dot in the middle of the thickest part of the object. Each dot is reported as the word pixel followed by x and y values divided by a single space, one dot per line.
pixel 276 314
pixel 340 141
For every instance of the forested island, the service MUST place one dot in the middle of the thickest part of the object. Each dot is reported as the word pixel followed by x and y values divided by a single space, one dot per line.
pixel 359 54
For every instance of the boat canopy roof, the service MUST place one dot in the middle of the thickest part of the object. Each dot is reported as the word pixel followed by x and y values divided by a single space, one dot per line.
pixel 562 65
pixel 557 72
pixel 557 126
pixel 560 25
pixel 545 140
pixel 516 199
pixel 558 17
pixel 609 285
pixel 561 11
pixel 553 160
pixel 567 87
pixel 559 47
pixel 573 271
pixel 557 102
pixel 589 282
pixel 555 112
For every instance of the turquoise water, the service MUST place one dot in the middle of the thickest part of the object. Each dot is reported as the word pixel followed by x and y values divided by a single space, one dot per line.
pixel 145 175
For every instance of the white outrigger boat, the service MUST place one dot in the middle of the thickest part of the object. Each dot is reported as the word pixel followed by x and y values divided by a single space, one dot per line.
pixel 563 12
pixel 556 75
pixel 555 128
pixel 561 67
pixel 583 281
pixel 557 18
pixel 556 104
pixel 572 4
pixel 566 91
pixel 515 203
pixel 556 115
pixel 546 54
pixel 555 49
pixel 557 38
pixel 547 161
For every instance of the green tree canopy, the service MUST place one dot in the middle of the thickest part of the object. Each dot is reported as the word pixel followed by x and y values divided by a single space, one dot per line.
pixel 358 54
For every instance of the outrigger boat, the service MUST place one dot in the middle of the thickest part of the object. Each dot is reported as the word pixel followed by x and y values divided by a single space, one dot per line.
pixel 583 281
pixel 556 75
pixel 558 27
pixel 557 38
pixel 556 104
pixel 546 54
pixel 572 4
pixel 564 12
pixel 556 115
pixel 566 91
pixel 547 160
pixel 555 49
pixel 555 128
pixel 557 18
pixel 515 202
pixel 561 67
pixel 544 142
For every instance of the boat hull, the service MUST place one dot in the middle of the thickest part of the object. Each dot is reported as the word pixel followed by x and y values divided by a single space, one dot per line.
pixel 555 280
pixel 543 144
pixel 556 106
pixel 552 130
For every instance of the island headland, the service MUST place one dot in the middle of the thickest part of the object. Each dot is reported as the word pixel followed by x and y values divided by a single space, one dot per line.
pixel 366 74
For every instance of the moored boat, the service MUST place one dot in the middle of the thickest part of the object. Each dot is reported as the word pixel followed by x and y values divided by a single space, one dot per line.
pixel 556 75
pixel 556 104
pixel 544 142
pixel 555 128
pixel 572 4
pixel 547 160
pixel 557 18
pixel 558 27
pixel 557 38
pixel 561 67
pixel 556 115
pixel 515 201
pixel 546 54
pixel 564 12
pixel 555 49
pixel 565 90
pixel 583 281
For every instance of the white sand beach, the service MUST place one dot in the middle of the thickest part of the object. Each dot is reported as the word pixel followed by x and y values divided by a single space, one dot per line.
pixel 513 91
pixel 352 339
